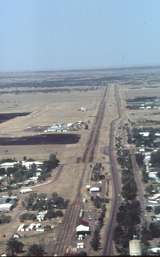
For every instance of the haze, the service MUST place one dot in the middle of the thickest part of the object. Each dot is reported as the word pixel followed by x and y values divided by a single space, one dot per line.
pixel 60 34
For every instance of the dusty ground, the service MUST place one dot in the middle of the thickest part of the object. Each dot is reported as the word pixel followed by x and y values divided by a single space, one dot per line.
pixel 143 117
pixel 46 109
pixel 64 107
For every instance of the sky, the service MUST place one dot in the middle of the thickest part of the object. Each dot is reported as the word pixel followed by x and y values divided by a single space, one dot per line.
pixel 75 34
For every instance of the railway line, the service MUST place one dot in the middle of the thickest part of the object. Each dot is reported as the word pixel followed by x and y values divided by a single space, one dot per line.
pixel 72 213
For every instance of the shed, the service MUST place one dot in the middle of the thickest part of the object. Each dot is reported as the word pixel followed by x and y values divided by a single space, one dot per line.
pixel 5 207
pixel 25 190
pixel 95 189
pixel 83 229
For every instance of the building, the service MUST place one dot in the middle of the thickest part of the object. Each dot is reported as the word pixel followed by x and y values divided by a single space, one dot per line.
pixel 81 229
pixel 154 250
pixel 95 189
pixel 7 203
pixel 135 247
pixel 20 228
pixel 29 164
pixel 145 134
pixel 7 165
pixel 25 190
pixel 6 207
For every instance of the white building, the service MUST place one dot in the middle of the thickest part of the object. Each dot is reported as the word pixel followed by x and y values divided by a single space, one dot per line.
pixel 135 247
pixel 7 165
pixel 21 228
pixel 144 134
pixel 82 229
pixel 28 164
pixel 95 189
pixel 25 190
pixel 154 250
pixel 6 207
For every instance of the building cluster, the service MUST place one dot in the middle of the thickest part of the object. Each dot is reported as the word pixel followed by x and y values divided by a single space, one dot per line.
pixel 149 149
pixel 7 170
pixel 144 103
pixel 38 227
pixel 66 127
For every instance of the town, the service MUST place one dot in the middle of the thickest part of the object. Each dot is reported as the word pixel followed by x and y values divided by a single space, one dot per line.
pixel 79 128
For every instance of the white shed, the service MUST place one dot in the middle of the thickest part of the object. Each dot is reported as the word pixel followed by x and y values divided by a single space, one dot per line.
pixel 135 247
pixel 95 189
pixel 25 190
pixel 82 228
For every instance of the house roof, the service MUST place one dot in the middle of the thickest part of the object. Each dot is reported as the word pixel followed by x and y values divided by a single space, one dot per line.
pixel 82 228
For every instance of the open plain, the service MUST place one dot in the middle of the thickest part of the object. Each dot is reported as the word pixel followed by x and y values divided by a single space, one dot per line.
pixel 101 103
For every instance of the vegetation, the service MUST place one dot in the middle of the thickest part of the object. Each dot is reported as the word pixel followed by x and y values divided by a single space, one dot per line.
pixel 27 216
pixel 18 175
pixel 40 202
pixel 14 246
pixel 4 218
pixel 128 216
pixel 155 229
pixel 95 242
pixel 96 172
pixel 155 158
pixel 36 250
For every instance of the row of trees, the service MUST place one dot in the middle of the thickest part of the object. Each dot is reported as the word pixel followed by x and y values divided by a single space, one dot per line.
pixel 128 216
pixel 95 242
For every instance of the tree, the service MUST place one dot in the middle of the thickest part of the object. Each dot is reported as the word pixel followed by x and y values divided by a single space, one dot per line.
pixel 155 158
pixel 27 216
pixel 14 246
pixel 129 190
pixel 4 219
pixel 50 214
pixel 155 230
pixel 95 242
pixel 36 250
pixel 82 253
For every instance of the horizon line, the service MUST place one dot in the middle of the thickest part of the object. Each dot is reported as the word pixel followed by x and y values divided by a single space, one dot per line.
pixel 84 69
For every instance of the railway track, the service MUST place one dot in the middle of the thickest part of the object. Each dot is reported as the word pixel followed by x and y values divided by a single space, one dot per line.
pixel 93 139
pixel 72 213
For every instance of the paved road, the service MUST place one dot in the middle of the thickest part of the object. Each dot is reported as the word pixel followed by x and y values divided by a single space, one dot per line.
pixel 116 185
pixel 116 194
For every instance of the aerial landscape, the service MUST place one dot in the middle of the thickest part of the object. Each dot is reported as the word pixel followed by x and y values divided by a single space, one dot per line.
pixel 79 128
pixel 80 177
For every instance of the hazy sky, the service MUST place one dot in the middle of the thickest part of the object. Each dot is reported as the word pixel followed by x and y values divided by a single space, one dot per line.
pixel 64 34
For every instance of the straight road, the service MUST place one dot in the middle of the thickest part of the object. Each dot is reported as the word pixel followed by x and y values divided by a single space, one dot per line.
pixel 116 185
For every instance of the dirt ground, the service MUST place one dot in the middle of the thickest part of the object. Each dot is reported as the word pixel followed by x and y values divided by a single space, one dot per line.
pixel 46 109
pixel 143 117
pixel 67 182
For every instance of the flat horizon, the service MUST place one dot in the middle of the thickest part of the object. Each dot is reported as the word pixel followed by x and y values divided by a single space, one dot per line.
pixel 85 69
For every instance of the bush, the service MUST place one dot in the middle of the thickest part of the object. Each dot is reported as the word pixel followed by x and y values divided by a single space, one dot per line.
pixel 36 250
pixel 14 246
pixel 4 219
pixel 27 216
